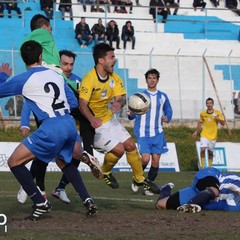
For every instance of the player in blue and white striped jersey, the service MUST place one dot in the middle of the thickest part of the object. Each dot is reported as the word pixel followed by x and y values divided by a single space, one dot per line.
pixel 51 100
pixel 211 190
pixel 148 128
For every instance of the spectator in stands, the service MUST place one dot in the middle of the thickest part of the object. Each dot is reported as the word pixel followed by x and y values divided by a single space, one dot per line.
pixel 1 9
pixel 157 7
pixel 83 32
pixel 137 3
pixel 112 33
pixel 128 34
pixel 172 4
pixel 215 2
pixel 127 3
pixel 83 2
pixel 13 5
pixel 66 6
pixel 105 3
pixel 232 4
pixel 116 3
pixel 98 31
pixel 199 3
pixel 47 7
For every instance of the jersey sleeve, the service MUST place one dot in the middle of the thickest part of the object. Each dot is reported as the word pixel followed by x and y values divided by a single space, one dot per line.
pixel 72 100
pixel 119 89
pixel 86 88
pixel 167 109
pixel 25 115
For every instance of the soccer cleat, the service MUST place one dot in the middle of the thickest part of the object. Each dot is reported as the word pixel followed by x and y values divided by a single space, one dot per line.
pixel 94 165
pixel 151 186
pixel 61 194
pixel 147 192
pixel 39 210
pixel 111 180
pixel 22 195
pixel 90 206
pixel 190 208
pixel 134 187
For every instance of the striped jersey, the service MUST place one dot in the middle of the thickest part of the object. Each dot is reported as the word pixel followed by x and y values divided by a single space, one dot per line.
pixel 150 123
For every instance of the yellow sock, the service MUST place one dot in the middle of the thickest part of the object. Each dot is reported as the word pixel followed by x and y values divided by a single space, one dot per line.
pixel 210 161
pixel 110 161
pixel 135 162
pixel 202 162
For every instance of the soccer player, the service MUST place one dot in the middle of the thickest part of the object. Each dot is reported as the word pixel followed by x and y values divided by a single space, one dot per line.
pixel 50 99
pixel 38 168
pixel 208 121
pixel 100 88
pixel 211 190
pixel 148 128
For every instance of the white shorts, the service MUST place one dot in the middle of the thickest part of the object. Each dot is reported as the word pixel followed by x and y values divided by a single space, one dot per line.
pixel 109 135
pixel 209 144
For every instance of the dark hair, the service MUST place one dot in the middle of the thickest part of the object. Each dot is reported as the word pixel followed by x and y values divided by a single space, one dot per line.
pixel 100 51
pixel 30 52
pixel 67 53
pixel 209 99
pixel 38 21
pixel 128 22
pixel 152 71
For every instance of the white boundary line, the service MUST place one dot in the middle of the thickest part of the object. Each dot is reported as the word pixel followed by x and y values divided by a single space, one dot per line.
pixel 124 199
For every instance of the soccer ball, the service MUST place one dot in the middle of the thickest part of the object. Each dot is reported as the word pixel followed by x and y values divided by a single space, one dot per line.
pixel 139 103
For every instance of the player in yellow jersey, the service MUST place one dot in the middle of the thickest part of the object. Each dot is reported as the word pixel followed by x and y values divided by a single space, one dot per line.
pixel 102 94
pixel 208 121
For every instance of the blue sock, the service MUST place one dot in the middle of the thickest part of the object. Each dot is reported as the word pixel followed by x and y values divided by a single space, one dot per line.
pixel 165 192
pixel 152 174
pixel 74 177
pixel 24 177
pixel 64 181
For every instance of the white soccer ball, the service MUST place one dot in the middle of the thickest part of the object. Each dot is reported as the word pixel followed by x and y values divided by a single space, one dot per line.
pixel 139 103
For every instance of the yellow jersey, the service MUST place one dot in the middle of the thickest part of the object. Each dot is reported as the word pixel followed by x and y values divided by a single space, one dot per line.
pixel 100 92
pixel 210 125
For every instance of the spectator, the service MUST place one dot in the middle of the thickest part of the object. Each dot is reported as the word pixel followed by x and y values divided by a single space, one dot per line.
pixel 1 9
pixel 199 3
pixel 172 4
pixel 112 33
pixel 83 2
pixel 137 3
pixel 98 31
pixel 116 3
pixel 103 2
pixel 157 7
pixel 66 6
pixel 126 3
pixel 47 7
pixel 13 5
pixel 215 2
pixel 83 32
pixel 232 4
pixel 128 34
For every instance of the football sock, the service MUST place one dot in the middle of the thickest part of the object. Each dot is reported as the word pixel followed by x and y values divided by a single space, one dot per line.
pixel 135 162
pixel 210 161
pixel 24 177
pixel 165 192
pixel 203 197
pixel 74 177
pixel 202 162
pixel 144 167
pixel 110 161
pixel 152 174
pixel 40 173
pixel 64 181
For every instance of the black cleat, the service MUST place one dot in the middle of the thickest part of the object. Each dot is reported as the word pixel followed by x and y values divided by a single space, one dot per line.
pixel 38 211
pixel 90 206
pixel 111 180
pixel 148 185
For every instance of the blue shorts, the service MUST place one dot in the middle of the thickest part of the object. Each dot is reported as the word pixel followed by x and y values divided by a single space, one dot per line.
pixel 55 137
pixel 186 194
pixel 153 145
